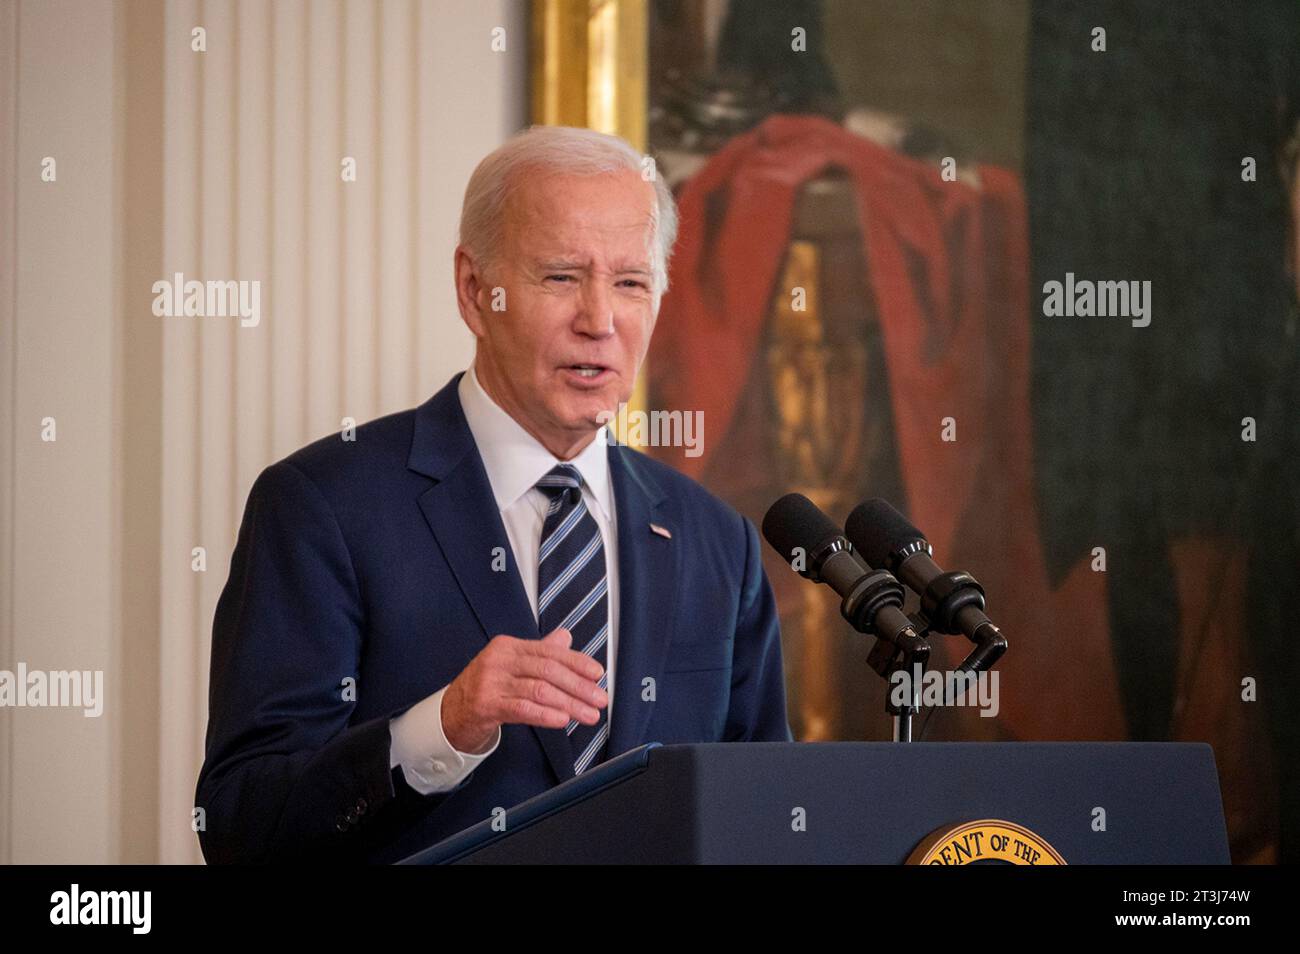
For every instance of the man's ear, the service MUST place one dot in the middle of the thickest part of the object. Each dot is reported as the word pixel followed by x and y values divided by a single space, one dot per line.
pixel 471 292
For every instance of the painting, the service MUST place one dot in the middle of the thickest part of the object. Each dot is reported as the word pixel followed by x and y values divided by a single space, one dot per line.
pixel 1028 271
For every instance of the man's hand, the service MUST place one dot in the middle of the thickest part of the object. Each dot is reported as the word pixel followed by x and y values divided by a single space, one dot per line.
pixel 531 681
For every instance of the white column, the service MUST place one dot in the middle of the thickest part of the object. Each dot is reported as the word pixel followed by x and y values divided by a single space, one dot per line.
pixel 60 347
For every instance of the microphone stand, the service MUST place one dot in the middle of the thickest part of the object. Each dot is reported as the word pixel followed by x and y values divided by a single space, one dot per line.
pixel 886 659
pixel 942 603
pixel 907 650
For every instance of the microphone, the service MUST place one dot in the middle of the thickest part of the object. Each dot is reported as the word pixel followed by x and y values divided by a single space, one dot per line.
pixel 951 602
pixel 810 542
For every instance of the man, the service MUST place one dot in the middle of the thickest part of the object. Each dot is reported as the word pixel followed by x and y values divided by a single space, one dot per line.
pixel 482 597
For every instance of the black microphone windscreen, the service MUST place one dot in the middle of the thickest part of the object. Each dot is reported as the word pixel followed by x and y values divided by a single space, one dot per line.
pixel 795 521
pixel 876 530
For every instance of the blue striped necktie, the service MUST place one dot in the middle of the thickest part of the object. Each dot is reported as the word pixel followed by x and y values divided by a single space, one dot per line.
pixel 571 592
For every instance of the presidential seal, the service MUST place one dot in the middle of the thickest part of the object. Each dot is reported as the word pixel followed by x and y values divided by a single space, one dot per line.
pixel 987 841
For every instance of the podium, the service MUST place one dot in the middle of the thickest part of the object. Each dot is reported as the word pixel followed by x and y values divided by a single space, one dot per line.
pixel 866 803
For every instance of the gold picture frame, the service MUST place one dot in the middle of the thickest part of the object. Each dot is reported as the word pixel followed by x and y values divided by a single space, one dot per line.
pixel 589 64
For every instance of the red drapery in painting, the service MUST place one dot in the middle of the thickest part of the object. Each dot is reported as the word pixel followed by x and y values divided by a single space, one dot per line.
pixel 948 266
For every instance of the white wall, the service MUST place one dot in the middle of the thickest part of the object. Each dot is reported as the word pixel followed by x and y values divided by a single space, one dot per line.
pixel 163 423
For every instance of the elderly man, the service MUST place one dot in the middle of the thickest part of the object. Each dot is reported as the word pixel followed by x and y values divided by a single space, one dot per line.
pixel 484 596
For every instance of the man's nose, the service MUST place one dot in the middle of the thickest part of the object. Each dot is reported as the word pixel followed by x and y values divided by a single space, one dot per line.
pixel 595 316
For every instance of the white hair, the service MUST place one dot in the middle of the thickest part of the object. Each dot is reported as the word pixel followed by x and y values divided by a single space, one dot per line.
pixel 559 149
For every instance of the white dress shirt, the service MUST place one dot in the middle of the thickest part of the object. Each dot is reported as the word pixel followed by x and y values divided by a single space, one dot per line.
pixel 514 461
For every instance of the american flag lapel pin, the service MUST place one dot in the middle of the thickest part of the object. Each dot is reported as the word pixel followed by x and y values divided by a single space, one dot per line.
pixel 662 531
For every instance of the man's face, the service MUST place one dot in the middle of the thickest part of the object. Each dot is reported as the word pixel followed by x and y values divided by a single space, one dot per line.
pixel 575 271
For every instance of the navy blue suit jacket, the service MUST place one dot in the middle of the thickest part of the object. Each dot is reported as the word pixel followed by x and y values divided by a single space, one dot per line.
pixel 362 581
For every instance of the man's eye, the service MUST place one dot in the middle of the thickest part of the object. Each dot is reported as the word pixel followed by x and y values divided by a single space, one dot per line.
pixel 634 282
pixel 563 277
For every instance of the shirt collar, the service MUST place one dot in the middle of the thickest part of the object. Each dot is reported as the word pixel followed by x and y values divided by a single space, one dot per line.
pixel 515 460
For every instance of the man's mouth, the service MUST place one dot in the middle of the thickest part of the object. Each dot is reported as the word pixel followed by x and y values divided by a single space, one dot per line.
pixel 587 370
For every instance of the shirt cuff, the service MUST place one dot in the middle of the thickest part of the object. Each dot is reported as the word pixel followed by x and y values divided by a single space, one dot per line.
pixel 430 764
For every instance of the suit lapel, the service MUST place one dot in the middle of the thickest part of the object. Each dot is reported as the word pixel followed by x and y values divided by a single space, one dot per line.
pixel 469 532
pixel 462 513
pixel 647 570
